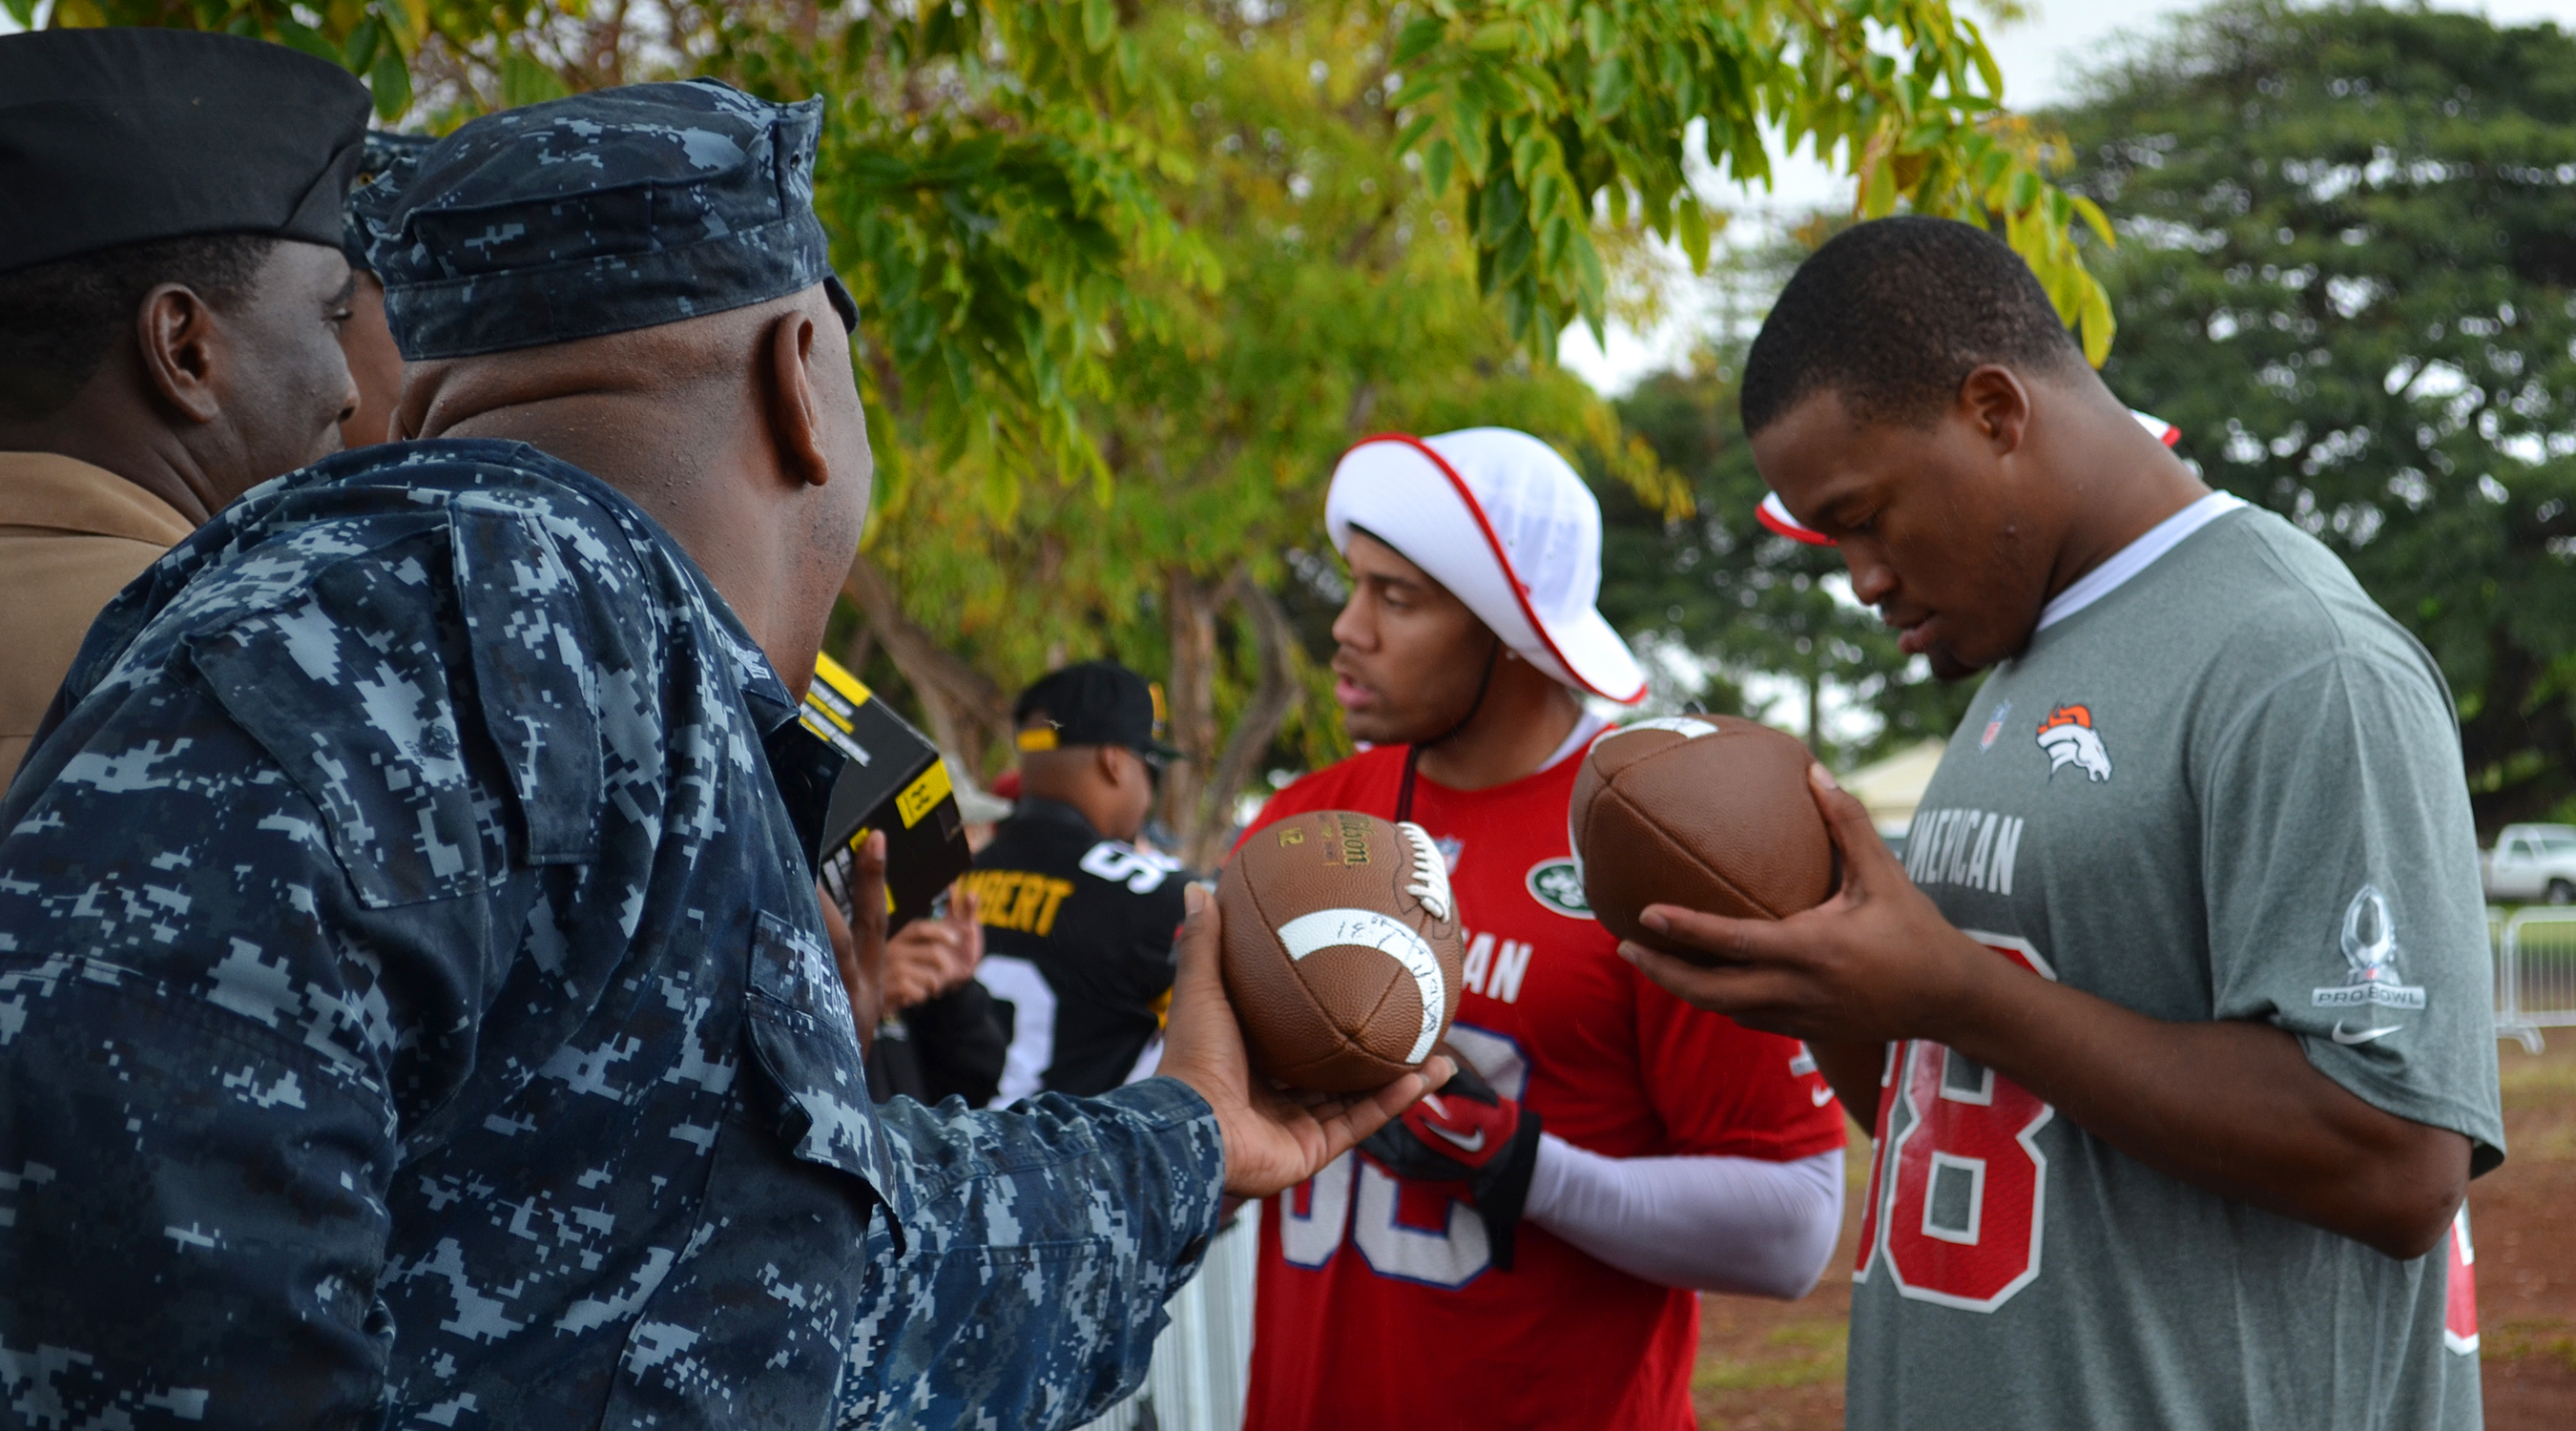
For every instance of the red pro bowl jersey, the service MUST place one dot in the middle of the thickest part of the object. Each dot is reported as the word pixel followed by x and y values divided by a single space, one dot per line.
pixel 1378 1304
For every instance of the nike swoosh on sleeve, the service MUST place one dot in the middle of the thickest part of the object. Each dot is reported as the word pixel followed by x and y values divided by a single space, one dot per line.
pixel 2364 1035
pixel 1821 1096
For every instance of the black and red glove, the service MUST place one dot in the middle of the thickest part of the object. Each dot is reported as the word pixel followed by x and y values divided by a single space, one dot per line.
pixel 1467 1133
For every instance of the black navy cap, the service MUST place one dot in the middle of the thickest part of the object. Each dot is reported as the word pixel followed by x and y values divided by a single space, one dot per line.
pixel 1092 703
pixel 120 136
pixel 606 212
pixel 387 156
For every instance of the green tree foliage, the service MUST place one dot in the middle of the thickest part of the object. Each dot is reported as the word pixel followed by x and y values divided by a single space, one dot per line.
pixel 989 175
pixel 1349 307
pixel 1551 110
pixel 2348 271
pixel 1133 271
pixel 1331 146
pixel 994 172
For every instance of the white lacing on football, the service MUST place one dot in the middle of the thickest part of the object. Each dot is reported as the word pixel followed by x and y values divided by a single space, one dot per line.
pixel 1430 872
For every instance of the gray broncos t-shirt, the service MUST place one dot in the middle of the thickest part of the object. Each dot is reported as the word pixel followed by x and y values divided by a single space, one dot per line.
pixel 2229 789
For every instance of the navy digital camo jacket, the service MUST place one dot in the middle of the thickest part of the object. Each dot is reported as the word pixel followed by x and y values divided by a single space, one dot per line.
pixel 415 1011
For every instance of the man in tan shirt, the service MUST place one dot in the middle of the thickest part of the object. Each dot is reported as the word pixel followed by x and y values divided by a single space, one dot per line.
pixel 71 535
pixel 171 293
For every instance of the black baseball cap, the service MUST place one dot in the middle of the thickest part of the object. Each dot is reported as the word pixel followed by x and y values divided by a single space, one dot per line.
pixel 1093 703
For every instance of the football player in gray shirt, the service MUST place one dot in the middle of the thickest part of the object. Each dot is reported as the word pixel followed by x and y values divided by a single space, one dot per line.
pixel 2173 1019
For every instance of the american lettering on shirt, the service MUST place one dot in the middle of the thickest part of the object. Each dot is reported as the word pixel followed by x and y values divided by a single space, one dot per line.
pixel 1016 899
pixel 1974 848
pixel 1494 968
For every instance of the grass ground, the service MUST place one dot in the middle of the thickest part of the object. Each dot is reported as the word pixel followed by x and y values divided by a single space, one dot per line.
pixel 2523 1220
pixel 1766 1365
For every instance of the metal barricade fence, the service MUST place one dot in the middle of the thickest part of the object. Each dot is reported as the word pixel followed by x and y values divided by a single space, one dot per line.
pixel 2535 952
pixel 1203 1361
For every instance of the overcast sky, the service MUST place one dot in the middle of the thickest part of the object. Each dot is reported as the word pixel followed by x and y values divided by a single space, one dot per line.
pixel 2040 58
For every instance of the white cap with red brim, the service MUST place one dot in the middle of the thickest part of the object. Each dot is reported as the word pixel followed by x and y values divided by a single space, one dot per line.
pixel 1504 523
pixel 1774 513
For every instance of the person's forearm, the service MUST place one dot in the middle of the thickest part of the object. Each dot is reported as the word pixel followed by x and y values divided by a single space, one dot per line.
pixel 1057 1227
pixel 1710 1224
pixel 2232 1107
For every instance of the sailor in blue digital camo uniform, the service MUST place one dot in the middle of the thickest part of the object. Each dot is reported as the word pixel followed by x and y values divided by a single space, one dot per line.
pixel 415 1008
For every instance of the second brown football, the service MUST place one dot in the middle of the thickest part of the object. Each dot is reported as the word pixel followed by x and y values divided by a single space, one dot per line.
pixel 1707 812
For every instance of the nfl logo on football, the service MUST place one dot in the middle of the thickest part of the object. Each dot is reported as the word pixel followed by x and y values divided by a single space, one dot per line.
pixel 2370 948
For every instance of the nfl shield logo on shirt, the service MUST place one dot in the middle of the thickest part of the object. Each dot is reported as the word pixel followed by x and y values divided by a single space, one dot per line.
pixel 1994 725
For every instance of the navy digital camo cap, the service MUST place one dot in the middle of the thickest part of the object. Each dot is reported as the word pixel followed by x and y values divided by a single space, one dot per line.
pixel 620 209
pixel 387 156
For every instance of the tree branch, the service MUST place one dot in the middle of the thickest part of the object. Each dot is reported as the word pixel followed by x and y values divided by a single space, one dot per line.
pixel 968 713
pixel 1273 697
pixel 1189 685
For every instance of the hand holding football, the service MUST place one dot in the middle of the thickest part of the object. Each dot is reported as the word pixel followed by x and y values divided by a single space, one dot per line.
pixel 1340 950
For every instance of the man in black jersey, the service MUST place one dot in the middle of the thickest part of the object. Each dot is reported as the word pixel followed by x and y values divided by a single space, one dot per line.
pixel 1078 921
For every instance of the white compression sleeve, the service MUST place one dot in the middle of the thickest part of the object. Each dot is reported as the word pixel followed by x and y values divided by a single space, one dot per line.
pixel 1713 1224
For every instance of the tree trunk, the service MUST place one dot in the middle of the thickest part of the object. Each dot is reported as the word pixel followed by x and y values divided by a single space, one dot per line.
pixel 862 645
pixel 1816 708
pixel 969 715
pixel 1189 691
pixel 1275 695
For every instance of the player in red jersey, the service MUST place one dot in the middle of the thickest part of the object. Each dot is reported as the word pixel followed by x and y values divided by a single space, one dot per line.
pixel 1522 1254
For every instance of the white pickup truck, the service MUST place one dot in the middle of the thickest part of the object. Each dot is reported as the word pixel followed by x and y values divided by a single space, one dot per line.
pixel 2532 864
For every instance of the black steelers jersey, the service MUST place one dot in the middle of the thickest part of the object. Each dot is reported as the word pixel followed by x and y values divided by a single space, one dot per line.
pixel 1078 934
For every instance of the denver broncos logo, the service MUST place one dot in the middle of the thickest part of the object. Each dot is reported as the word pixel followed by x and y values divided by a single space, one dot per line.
pixel 2068 737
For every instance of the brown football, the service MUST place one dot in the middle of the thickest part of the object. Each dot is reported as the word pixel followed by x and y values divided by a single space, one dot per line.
pixel 1707 812
pixel 1340 950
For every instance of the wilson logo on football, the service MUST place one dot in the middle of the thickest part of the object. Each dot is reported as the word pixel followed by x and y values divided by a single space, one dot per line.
pixel 2069 738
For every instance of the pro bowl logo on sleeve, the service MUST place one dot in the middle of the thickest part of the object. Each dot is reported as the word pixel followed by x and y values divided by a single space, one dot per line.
pixel 2370 957
pixel 1558 884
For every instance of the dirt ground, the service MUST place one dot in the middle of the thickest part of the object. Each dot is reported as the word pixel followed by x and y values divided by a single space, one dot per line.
pixel 1762 1364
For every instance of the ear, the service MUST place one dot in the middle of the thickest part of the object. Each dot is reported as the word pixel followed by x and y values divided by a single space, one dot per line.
pixel 1994 398
pixel 795 416
pixel 181 343
pixel 1112 769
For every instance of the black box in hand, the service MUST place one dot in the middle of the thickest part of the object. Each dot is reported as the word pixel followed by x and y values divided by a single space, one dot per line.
pixel 895 782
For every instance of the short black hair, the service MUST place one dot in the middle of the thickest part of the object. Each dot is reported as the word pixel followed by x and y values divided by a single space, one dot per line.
pixel 1893 315
pixel 60 320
